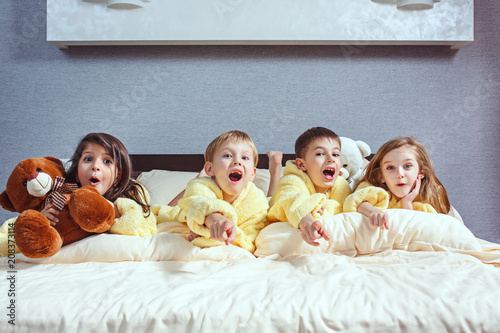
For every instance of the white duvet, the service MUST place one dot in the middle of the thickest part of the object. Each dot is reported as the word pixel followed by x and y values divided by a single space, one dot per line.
pixel 428 273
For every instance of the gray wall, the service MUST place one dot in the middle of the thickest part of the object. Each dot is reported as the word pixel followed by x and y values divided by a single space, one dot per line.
pixel 175 99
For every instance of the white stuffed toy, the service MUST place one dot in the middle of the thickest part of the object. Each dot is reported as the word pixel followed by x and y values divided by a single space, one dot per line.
pixel 353 160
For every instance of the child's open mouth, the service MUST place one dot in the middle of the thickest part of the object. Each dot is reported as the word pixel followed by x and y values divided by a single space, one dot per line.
pixel 235 176
pixel 94 181
pixel 328 173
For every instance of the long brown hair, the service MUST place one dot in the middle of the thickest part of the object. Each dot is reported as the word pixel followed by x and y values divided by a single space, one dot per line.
pixel 431 189
pixel 124 185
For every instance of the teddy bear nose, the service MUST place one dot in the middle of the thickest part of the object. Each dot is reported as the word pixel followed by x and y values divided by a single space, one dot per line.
pixel 33 176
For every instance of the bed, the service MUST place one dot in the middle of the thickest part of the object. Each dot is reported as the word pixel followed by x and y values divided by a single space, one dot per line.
pixel 428 273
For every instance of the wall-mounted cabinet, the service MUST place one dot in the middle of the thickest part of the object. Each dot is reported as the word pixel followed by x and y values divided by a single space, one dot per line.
pixel 290 22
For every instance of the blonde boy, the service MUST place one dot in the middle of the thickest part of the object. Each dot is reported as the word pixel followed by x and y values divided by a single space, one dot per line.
pixel 310 187
pixel 225 207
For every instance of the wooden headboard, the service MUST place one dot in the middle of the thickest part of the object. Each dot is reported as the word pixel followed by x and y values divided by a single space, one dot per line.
pixel 183 162
pixel 187 162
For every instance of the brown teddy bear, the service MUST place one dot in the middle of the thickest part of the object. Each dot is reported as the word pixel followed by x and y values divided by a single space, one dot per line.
pixel 36 182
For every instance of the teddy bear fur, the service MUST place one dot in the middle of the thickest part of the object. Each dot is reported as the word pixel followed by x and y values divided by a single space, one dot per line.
pixel 353 160
pixel 85 211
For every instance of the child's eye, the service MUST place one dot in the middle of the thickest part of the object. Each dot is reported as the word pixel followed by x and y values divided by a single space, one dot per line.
pixel 108 161
pixel 227 155
pixel 390 167
pixel 408 166
pixel 319 154
pixel 336 155
pixel 87 159
pixel 246 158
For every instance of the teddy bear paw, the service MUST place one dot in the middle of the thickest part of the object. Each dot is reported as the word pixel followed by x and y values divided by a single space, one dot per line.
pixel 91 211
pixel 34 235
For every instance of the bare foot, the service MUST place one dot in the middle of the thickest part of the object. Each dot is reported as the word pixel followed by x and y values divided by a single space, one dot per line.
pixel 275 159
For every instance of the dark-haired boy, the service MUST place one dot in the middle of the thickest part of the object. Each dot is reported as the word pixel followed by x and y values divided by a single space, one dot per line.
pixel 310 188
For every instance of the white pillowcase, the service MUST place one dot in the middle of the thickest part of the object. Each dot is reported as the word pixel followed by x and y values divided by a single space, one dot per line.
pixel 352 234
pixel 164 185
pixel 169 244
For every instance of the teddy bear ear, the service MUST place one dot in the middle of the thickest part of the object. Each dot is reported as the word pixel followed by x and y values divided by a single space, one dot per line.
pixel 364 148
pixel 58 162
pixel 53 159
pixel 5 202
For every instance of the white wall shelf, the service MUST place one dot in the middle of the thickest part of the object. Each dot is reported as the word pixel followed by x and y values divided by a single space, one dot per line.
pixel 259 22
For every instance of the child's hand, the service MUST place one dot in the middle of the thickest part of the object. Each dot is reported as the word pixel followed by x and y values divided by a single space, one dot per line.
pixel 221 228
pixel 406 201
pixel 377 217
pixel 115 207
pixel 312 229
pixel 321 211
pixel 50 212
pixel 192 236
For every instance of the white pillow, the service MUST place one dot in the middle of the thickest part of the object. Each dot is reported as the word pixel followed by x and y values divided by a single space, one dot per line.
pixel 262 179
pixel 352 234
pixel 160 247
pixel 164 185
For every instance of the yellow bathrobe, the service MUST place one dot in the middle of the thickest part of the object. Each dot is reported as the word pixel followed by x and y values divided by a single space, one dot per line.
pixel 296 196
pixel 132 222
pixel 379 198
pixel 203 197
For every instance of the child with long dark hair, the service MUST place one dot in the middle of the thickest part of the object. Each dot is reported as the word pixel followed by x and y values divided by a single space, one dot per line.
pixel 102 161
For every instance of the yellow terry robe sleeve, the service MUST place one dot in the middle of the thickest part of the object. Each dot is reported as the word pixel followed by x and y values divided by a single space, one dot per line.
pixel 380 198
pixel 365 191
pixel 423 207
pixel 7 243
pixel 394 203
pixel 296 196
pixel 203 197
pixel 165 213
pixel 197 188
pixel 133 221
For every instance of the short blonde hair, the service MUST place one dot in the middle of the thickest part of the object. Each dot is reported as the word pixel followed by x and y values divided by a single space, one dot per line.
pixel 238 136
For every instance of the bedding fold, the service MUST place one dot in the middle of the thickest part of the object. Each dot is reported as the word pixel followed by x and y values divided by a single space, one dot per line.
pixel 392 291
pixel 352 235
pixel 163 246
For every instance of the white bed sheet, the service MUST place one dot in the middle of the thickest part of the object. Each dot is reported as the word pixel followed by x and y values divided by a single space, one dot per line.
pixel 427 274
pixel 396 291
